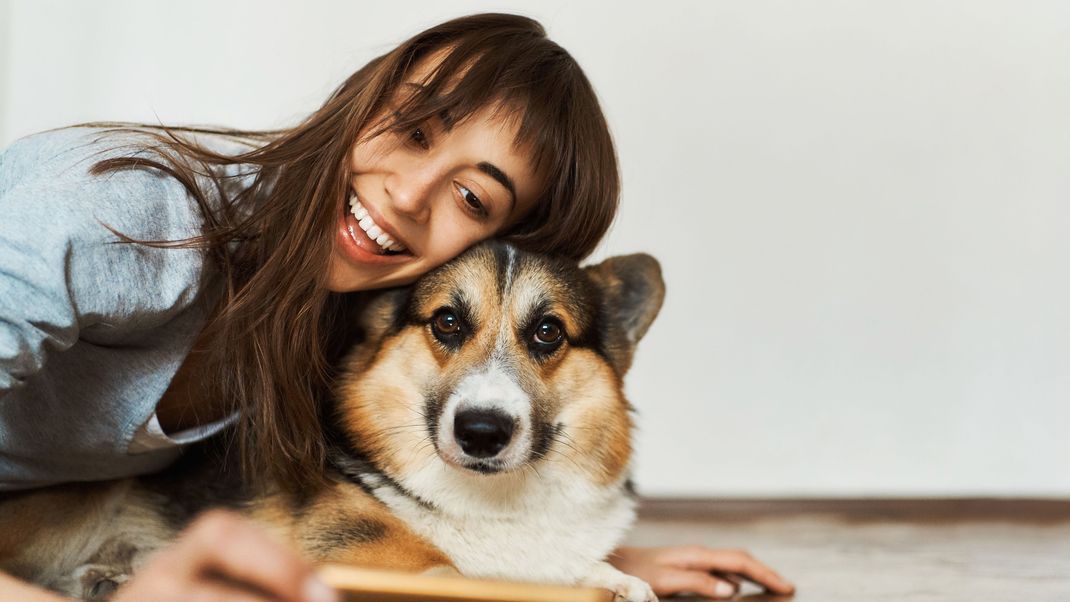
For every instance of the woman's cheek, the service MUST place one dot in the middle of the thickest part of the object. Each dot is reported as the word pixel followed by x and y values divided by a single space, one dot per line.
pixel 453 238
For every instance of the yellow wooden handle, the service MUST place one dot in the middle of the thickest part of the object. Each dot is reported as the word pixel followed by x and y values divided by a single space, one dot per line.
pixel 360 584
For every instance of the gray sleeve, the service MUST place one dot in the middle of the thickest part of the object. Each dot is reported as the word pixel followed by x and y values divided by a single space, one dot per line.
pixel 62 275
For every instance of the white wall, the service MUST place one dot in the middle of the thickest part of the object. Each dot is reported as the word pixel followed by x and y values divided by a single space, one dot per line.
pixel 5 43
pixel 862 208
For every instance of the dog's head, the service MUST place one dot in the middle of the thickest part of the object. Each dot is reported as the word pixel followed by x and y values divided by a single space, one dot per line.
pixel 498 361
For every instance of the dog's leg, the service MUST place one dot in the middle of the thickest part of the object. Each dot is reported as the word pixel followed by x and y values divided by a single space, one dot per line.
pixel 92 582
pixel 396 551
pixel 624 587
pixel 343 524
pixel 47 534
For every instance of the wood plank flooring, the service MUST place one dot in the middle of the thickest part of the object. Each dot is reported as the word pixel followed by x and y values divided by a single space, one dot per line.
pixel 883 550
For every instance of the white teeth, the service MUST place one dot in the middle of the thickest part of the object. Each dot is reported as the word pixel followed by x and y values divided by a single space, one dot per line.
pixel 373 231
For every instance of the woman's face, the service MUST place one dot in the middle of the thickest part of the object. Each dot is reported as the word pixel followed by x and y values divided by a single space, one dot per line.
pixel 433 193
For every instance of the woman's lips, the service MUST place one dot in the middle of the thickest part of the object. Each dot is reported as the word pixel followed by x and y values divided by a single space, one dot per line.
pixel 358 248
pixel 374 225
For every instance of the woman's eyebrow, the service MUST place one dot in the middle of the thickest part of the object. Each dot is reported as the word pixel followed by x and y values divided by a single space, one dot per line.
pixel 492 170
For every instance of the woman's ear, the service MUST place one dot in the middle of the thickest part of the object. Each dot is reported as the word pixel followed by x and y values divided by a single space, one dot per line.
pixel 632 291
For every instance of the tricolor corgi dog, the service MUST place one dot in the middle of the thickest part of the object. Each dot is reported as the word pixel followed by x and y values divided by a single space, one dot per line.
pixel 479 426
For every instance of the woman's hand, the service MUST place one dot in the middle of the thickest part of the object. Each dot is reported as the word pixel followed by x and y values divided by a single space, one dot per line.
pixel 697 569
pixel 222 556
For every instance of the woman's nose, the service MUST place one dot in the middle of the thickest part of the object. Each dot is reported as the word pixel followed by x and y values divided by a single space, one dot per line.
pixel 411 192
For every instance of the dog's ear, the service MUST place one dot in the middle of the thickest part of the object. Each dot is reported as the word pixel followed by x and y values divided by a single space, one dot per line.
pixel 632 291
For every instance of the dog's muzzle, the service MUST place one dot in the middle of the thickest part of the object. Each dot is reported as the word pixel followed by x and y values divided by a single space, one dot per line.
pixel 485 423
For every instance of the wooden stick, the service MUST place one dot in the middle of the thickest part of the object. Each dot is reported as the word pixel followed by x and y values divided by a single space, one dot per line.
pixel 360 584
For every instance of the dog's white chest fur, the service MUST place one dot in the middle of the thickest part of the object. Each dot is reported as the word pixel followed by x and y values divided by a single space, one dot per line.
pixel 552 529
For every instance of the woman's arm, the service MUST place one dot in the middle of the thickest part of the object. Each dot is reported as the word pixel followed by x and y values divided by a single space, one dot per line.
pixel 90 327
pixel 62 271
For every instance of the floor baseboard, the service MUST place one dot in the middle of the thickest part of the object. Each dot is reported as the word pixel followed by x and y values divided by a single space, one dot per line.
pixel 945 509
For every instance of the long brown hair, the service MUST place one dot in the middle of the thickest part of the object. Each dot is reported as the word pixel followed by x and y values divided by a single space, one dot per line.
pixel 271 334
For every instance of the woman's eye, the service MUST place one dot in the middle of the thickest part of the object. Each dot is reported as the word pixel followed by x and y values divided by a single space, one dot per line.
pixel 420 138
pixel 472 200
pixel 417 135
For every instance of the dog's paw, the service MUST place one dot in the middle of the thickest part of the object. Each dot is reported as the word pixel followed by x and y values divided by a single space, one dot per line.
pixel 625 588
pixel 633 589
pixel 97 583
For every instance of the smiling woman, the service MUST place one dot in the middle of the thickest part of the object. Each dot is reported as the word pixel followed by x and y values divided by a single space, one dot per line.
pixel 226 303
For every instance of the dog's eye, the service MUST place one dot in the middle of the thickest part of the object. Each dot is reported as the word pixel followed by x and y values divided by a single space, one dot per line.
pixel 548 332
pixel 446 323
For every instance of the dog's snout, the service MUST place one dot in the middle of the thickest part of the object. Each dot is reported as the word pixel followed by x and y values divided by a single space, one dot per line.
pixel 482 433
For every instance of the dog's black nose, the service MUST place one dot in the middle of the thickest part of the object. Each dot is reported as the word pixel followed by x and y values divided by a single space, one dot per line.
pixel 482 433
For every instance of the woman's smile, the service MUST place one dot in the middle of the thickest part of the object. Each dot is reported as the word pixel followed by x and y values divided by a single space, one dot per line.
pixel 355 236
pixel 385 237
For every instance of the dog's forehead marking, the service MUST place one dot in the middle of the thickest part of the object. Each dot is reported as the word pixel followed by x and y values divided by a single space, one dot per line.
pixel 534 289
pixel 510 267
pixel 524 289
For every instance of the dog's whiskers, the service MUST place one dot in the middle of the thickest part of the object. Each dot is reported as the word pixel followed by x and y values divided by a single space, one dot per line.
pixel 425 442
pixel 390 431
pixel 563 437
pixel 402 427
pixel 533 469
pixel 551 448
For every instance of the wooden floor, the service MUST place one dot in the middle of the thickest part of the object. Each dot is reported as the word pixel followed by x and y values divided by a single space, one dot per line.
pixel 907 550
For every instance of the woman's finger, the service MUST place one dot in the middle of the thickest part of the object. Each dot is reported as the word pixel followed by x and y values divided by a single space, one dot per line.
pixel 731 577
pixel 730 561
pixel 227 547
pixel 675 581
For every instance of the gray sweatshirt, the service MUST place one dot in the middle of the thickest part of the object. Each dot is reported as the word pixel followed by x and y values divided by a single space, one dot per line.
pixel 91 332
